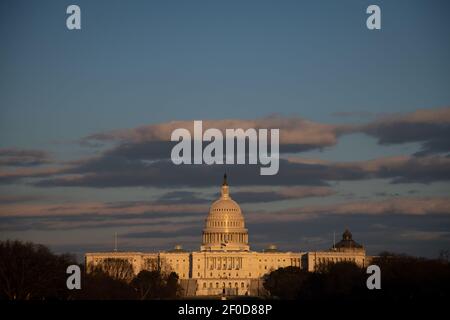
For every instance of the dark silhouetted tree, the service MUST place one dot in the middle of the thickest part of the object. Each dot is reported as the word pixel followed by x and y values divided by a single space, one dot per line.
pixel 403 279
pixel 98 285
pixel 154 285
pixel 30 271
pixel 148 284
pixel 406 278
pixel 172 289
pixel 285 283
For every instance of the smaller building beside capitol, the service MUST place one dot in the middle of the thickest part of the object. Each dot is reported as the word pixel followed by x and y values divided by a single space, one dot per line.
pixel 225 265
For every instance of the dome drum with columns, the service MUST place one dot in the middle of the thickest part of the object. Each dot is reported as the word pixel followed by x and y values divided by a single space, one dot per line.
pixel 225 227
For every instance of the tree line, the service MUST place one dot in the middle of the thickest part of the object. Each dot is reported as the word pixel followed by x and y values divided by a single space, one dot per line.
pixel 32 272
pixel 403 279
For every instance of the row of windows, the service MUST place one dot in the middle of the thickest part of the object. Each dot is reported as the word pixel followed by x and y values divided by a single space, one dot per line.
pixel 224 274
pixel 227 210
pixel 236 285
pixel 218 267
pixel 279 260
pixel 118 259
pixel 325 260
pixel 224 224
pixel 233 237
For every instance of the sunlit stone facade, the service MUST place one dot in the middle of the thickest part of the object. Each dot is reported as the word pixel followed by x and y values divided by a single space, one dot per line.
pixel 225 265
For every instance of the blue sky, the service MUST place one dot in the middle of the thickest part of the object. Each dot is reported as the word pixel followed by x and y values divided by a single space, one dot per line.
pixel 162 60
pixel 139 63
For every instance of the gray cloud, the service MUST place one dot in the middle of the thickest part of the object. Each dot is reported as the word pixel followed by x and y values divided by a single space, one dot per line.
pixel 415 225
pixel 141 156
pixel 423 235
pixel 115 172
pixel 417 235
pixel 92 220
pixel 195 230
pixel 293 131
pixel 112 171
pixel 430 127
pixel 19 174
pixel 261 195
pixel 10 199
pixel 23 157
pixel 286 193
pixel 182 197
pixel 152 142
pixel 137 213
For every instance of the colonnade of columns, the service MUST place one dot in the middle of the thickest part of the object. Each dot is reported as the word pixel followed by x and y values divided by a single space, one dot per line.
pixel 238 237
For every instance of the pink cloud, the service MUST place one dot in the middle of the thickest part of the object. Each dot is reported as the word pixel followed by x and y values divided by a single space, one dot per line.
pixel 293 130
pixel 99 208
pixel 401 206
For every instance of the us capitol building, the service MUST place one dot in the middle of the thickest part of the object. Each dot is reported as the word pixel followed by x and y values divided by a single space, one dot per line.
pixel 225 265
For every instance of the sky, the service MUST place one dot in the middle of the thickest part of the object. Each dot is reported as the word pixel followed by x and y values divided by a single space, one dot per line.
pixel 364 119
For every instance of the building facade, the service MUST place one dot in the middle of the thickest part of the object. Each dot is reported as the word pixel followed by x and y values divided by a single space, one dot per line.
pixel 225 265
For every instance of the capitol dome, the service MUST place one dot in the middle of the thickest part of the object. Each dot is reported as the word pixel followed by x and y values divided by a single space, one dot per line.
pixel 225 226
